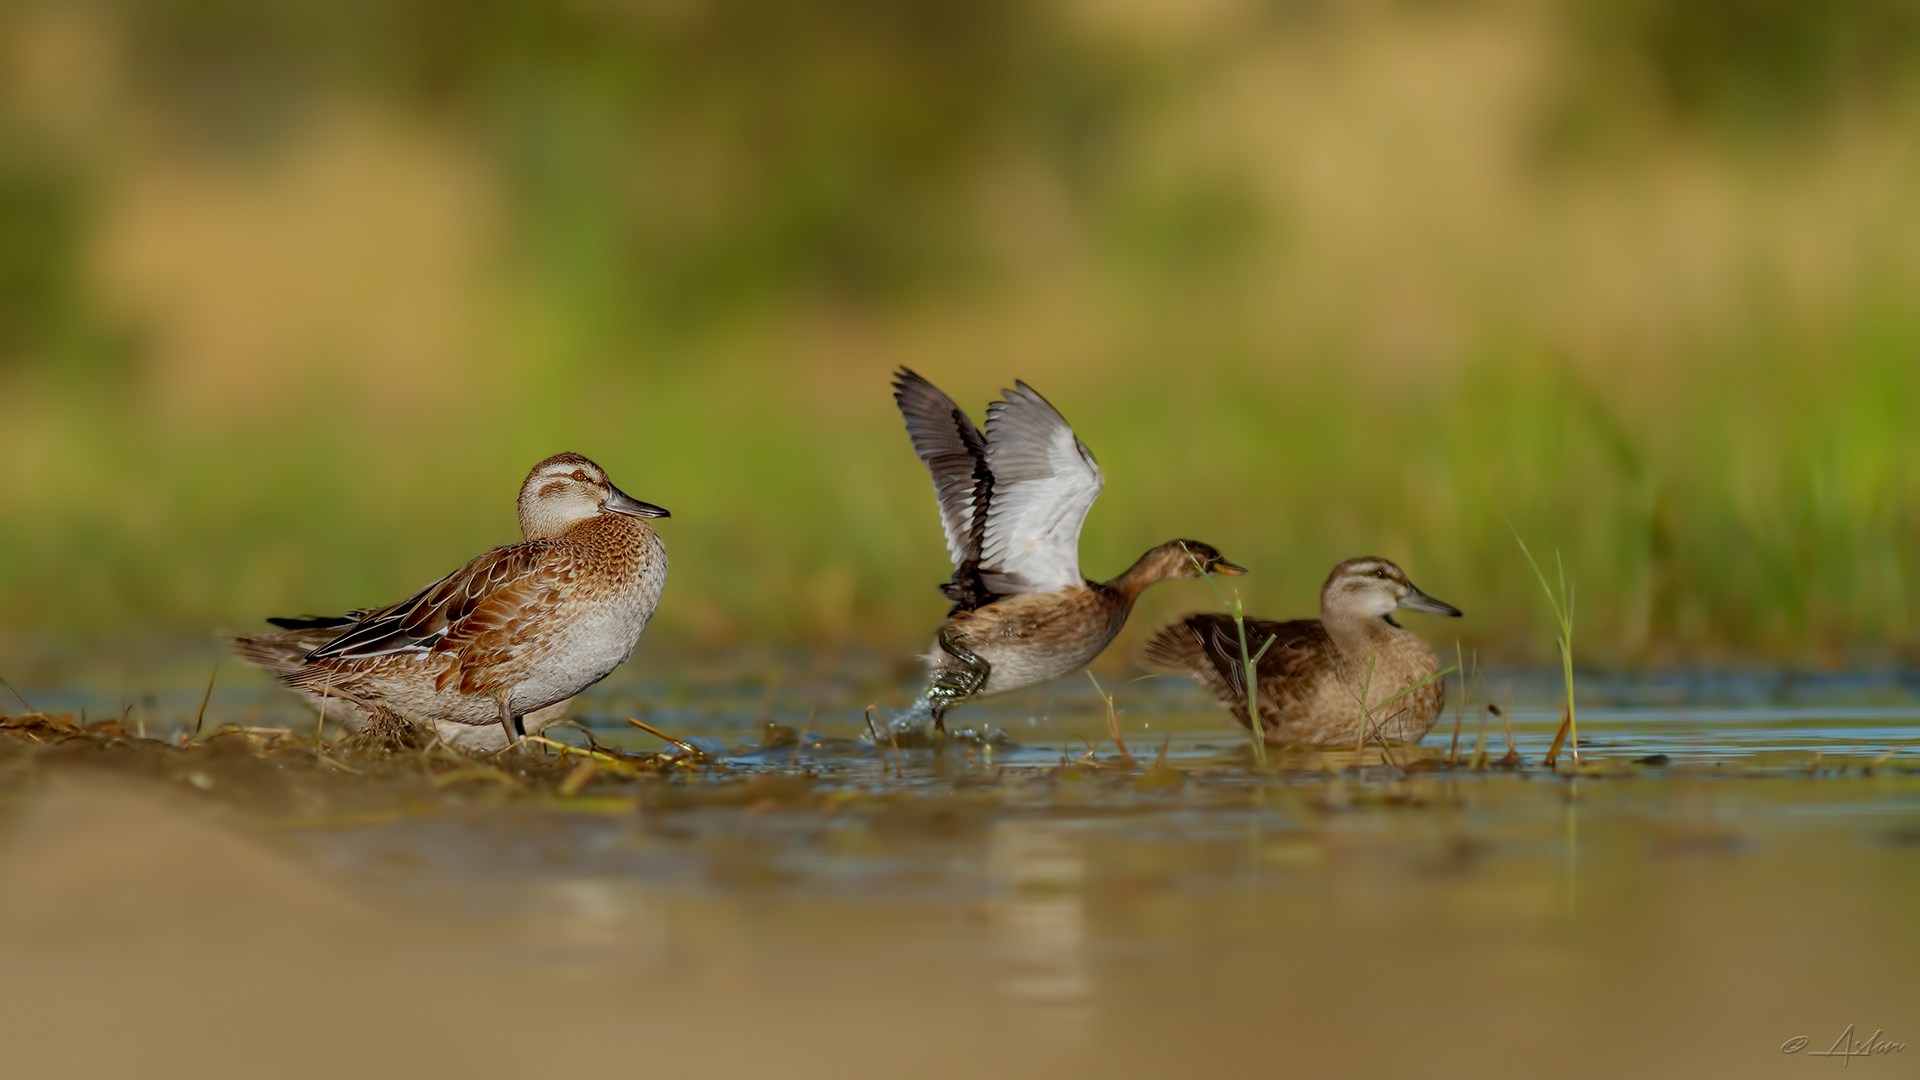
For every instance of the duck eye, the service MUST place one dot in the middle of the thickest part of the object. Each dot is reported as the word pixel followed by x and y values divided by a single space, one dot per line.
pixel 1381 574
pixel 580 475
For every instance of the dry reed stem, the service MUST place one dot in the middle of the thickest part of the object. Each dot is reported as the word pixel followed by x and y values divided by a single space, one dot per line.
pixel 1113 718
pixel 202 714
pixel 1506 725
pixel 17 697
pixel 1560 736
pixel 886 763
pixel 578 778
pixel 657 733
pixel 599 757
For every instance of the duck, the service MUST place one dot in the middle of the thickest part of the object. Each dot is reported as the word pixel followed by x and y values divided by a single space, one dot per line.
pixel 1312 672
pixel 510 636
pixel 1012 501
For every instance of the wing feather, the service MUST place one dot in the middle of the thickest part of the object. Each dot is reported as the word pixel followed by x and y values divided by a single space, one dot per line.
pixel 1207 647
pixel 954 451
pixel 321 622
pixel 420 622
pixel 493 636
pixel 1044 482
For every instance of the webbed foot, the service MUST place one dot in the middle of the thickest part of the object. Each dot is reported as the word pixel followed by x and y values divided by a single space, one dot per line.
pixel 952 685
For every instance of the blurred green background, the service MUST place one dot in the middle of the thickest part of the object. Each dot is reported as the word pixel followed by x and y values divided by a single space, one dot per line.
pixel 292 292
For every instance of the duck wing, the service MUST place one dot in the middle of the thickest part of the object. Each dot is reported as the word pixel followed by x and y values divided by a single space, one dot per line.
pixel 1207 647
pixel 954 451
pixel 1044 482
pixel 439 613
pixel 492 638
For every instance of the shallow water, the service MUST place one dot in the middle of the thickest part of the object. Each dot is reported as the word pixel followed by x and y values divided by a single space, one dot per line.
pixel 803 905
pixel 726 701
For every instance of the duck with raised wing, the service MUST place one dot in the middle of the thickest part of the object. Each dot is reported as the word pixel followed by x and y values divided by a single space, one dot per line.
pixel 1012 501
pixel 515 631
pixel 1313 672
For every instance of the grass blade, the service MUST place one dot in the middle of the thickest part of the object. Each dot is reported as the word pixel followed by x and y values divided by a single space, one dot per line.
pixel 1562 604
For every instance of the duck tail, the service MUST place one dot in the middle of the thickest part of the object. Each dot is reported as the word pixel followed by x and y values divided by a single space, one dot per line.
pixel 284 654
pixel 272 652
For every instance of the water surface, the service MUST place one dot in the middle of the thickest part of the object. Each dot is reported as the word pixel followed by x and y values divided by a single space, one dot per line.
pixel 1720 877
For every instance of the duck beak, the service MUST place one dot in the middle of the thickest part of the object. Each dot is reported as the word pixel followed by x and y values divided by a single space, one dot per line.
pixel 1222 566
pixel 619 502
pixel 1415 600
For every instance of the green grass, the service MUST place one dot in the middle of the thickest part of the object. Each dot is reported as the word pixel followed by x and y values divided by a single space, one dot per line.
pixel 1762 518
pixel 1249 664
pixel 1560 599
pixel 1643 362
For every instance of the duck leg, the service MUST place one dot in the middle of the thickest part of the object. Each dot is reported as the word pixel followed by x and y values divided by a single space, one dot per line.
pixel 514 728
pixel 950 686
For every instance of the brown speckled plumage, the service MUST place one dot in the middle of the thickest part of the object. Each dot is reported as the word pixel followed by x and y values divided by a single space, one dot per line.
pixel 507 637
pixel 1032 637
pixel 1311 676
pixel 1011 502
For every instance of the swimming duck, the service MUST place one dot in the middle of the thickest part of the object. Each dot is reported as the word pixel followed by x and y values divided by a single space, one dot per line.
pixel 1311 676
pixel 510 634
pixel 1012 501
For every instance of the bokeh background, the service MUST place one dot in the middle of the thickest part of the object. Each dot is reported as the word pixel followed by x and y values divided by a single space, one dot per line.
pixel 292 292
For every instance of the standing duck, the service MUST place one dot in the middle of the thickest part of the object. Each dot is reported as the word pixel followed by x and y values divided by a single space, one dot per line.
pixel 1312 674
pixel 1012 502
pixel 518 629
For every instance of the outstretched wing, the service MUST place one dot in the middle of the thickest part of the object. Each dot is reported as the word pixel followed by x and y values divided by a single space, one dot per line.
pixel 1044 482
pixel 437 612
pixel 954 452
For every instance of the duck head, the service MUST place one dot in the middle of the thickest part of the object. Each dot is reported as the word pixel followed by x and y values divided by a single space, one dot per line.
pixel 1191 558
pixel 1375 587
pixel 1174 559
pixel 567 489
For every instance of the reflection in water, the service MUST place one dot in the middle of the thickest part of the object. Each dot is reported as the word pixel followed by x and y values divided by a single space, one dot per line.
pixel 1573 850
pixel 1036 916
pixel 749 925
pixel 586 918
